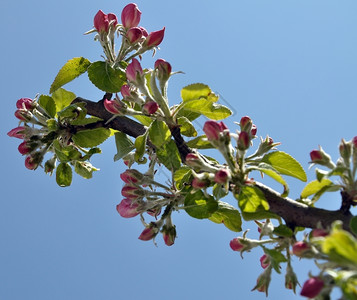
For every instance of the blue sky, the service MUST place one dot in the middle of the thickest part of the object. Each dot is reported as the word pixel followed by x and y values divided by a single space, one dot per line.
pixel 289 65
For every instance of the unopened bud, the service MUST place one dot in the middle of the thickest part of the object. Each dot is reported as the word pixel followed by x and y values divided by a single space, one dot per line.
pixel 312 287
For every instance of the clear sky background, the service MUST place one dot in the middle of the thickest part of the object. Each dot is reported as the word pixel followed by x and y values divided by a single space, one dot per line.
pixel 289 65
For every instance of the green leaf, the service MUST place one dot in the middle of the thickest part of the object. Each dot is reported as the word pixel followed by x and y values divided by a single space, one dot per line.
pixel 208 108
pixel 66 154
pixel 200 142
pixel 285 164
pixel 84 169
pixel 124 145
pixel 146 121
pixel 314 187
pixel 169 156
pixel 159 133
pixel 251 200
pixel 271 172
pixel 48 105
pixel 340 246
pixel 283 230
pixel 276 258
pixel 64 174
pixel 219 192
pixel 140 145
pixel 91 137
pixel 199 206
pixel 186 128
pixel 195 91
pixel 71 70
pixel 188 114
pixel 105 78
pixel 353 224
pixel 62 98
pixel 85 121
pixel 182 176
pixel 227 215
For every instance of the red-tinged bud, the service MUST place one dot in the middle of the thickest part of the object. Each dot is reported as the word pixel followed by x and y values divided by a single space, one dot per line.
pixel 243 140
pixel 144 31
pixel 163 69
pixel 312 287
pixel 24 103
pixel 134 35
pixel 125 91
pixel 155 211
pixel 354 142
pixel 254 130
pixel 113 106
pixel 236 245
pixel 246 124
pixel 130 15
pixel 155 38
pixel 150 107
pixel 50 165
pixel 101 22
pixel 134 71
pixel 265 261
pixel 291 280
pixel 213 130
pixel 299 248
pixel 316 156
pixel 113 20
pixel 132 192
pixel 23 115
pixel 200 183
pixel 17 132
pixel 24 148
pixel 127 208
pixel 222 176
pixel 318 232
pixel 149 232
pixel 132 176
pixel 169 234
pixel 30 163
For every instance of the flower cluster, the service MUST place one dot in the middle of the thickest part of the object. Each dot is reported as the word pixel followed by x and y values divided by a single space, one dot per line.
pixel 139 200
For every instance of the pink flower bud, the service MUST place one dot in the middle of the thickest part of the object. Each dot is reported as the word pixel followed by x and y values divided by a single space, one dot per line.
pixel 130 15
pixel 317 232
pixel 155 211
pixel 149 232
pixel 24 103
pixel 101 22
pixel 163 69
pixel 312 287
pixel 155 38
pixel 17 132
pixel 236 245
pixel 132 192
pixel 23 115
pixel 354 142
pixel 127 208
pixel 113 106
pixel 24 148
pixel 254 130
pixel 150 107
pixel 169 234
pixel 30 163
pixel 222 176
pixel 299 248
pixel 144 31
pixel 131 176
pixel 245 123
pixel 134 35
pixel 243 140
pixel 316 156
pixel 264 261
pixel 199 183
pixel 125 91
pixel 213 130
pixel 113 20
pixel 193 160
pixel 134 70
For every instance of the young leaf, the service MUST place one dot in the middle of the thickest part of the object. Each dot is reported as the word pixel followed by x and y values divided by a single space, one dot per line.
pixel 48 104
pixel 283 230
pixel 62 98
pixel 195 91
pixel 105 78
pixel 208 108
pixel 71 70
pixel 251 200
pixel 159 133
pixel 64 174
pixel 227 215
pixel 200 142
pixel 124 145
pixel 353 224
pixel 84 169
pixel 219 192
pixel 140 143
pixel 285 164
pixel 169 156
pixel 314 187
pixel 199 206
pixel 91 137
pixel 186 128
pixel 182 176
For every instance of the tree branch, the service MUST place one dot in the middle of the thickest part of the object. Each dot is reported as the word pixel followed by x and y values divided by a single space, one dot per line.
pixel 294 213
